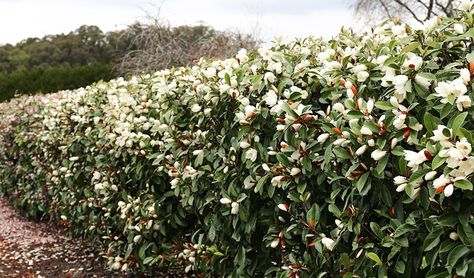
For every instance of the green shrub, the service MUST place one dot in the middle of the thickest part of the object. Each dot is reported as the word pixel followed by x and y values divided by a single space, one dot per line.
pixel 51 79
pixel 349 157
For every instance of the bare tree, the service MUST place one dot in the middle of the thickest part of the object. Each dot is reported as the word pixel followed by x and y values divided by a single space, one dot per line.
pixel 420 10
pixel 157 45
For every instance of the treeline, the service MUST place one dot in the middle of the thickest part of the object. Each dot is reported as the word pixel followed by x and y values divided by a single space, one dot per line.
pixel 87 55
pixel 51 79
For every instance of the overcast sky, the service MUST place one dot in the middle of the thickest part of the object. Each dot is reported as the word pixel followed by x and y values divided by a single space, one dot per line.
pixel 20 19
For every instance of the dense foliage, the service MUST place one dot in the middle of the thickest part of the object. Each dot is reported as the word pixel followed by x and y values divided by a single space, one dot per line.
pixel 52 79
pixel 348 157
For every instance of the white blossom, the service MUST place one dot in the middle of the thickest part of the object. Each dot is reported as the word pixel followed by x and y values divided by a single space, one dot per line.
pixel 378 154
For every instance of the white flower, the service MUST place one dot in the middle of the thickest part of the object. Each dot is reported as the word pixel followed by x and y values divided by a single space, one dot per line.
pixel 371 142
pixel 463 102
pixel 249 182
pixel 276 67
pixel 448 190
pixel 422 81
pixel 195 108
pixel 378 154
pixel 361 150
pixel 74 158
pixel 265 53
pixel 413 62
pixel 362 76
pixel 339 107
pixel 283 207
pixel 465 75
pixel 116 265
pixel 251 154
pixel 276 181
pixel 464 147
pixel 328 243
pixel 441 181
pixel 295 171
pixel 359 68
pixel 415 158
pixel 465 5
pixel 401 187
pixel 197 152
pixel 439 136
pixel 366 131
pixel 244 144
pixel 394 102
pixel 225 201
pixel 265 167
pixel 399 30
pixel 393 143
pixel 269 77
pixel 400 80
pixel 275 243
pixel 400 180
pixel 370 105
pixel 271 98
pixel 322 138
pixel 454 88
pixel 242 55
pixel 234 208
pixel 453 236
pixel 430 175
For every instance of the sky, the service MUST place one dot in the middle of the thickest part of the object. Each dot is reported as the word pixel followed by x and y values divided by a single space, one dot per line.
pixel 20 19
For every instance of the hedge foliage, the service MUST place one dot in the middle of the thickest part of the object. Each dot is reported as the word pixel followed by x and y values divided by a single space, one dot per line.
pixel 51 79
pixel 349 157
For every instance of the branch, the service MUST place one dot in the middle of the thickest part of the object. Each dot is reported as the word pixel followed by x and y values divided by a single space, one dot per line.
pixel 385 7
pixel 430 9
pixel 444 9
pixel 404 5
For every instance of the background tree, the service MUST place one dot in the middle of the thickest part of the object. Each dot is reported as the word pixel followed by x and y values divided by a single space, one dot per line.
pixel 157 45
pixel 419 10
pixel 87 55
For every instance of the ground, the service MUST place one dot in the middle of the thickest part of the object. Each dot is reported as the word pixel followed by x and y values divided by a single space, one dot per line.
pixel 39 249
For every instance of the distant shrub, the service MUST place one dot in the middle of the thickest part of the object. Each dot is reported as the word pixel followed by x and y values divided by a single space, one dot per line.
pixel 51 79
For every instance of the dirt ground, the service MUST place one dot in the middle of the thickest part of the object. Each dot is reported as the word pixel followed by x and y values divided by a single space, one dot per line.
pixel 39 249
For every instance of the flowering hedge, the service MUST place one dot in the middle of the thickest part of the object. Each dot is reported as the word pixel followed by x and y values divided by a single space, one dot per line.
pixel 339 158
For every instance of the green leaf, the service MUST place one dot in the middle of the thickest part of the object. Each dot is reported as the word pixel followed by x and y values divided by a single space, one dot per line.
pixel 341 153
pixel 449 219
pixel 384 105
pixel 456 254
pixel 430 122
pixel 400 267
pixel 199 159
pixel 241 257
pixel 402 229
pixel 458 122
pixel 312 216
pixel 432 240
pixel 410 47
pixel 427 75
pixel 361 181
pixel 283 159
pixel 374 257
pixel 260 183
pixel 437 162
pixel 463 184
pixel 288 110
